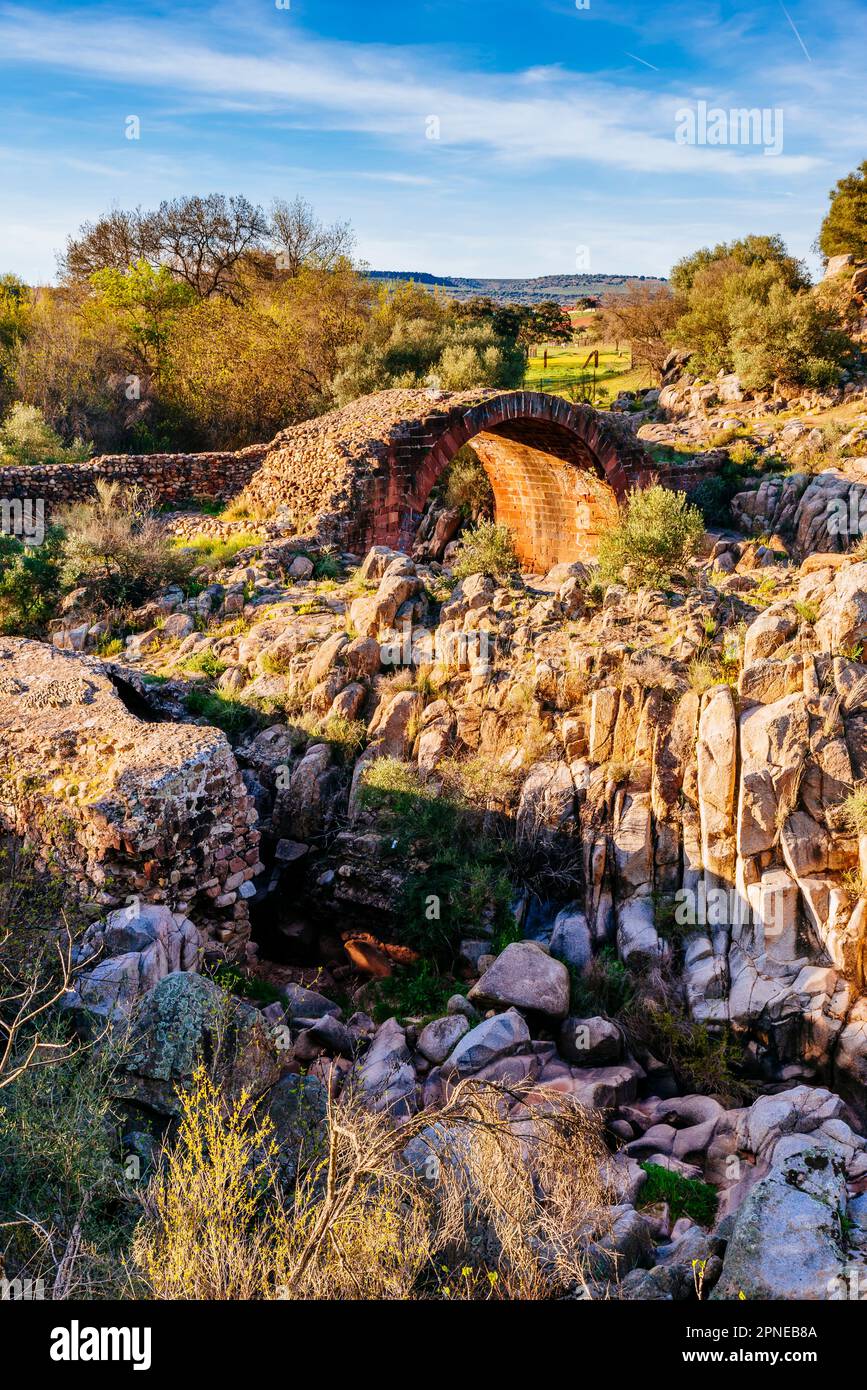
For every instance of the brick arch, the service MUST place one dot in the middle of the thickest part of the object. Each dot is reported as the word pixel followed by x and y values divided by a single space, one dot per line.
pixel 557 472
pixel 361 475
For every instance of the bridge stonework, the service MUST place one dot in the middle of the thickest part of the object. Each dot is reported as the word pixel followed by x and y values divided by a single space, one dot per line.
pixel 361 475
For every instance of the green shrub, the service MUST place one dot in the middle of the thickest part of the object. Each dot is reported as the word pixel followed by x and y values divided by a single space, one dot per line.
pixel 467 486
pixel 218 551
pixel 116 547
pixel 684 1196
pixel 231 978
pixel 327 567
pixel 712 496
pixel 221 710
pixel 61 1164
pixel 29 584
pixel 204 663
pixel 603 987
pixel 461 885
pixel 807 612
pixel 854 810
pixel 414 991
pixel 411 808
pixel 659 531
pixel 487 548
pixel 346 736
pixel 703 1062
pixel 743 453
pixel 26 439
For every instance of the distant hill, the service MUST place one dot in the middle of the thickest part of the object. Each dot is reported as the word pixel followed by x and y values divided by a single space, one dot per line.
pixel 565 289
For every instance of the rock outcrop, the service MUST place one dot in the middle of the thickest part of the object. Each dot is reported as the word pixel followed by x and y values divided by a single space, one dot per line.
pixel 123 807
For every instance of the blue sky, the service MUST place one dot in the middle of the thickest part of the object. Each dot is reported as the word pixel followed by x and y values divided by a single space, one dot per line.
pixel 556 124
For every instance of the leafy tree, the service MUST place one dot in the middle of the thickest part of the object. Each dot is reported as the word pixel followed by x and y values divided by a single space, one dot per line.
pixel 844 230
pixel 215 370
pixel 113 242
pixel 745 252
pixel 467 485
pixel 16 308
pixel 203 241
pixel 787 337
pixel 26 439
pixel 546 322
pixel 505 320
pixel 29 584
pixel 147 302
pixel 524 324
pixel 748 318
pixel 643 317
pixel 73 365
pixel 235 375
pixel 414 338
pixel 486 548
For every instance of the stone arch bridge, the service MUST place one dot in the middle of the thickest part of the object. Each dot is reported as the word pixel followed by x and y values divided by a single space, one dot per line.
pixel 361 475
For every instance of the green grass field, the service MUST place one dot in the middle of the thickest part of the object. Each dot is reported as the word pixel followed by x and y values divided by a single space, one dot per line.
pixel 566 369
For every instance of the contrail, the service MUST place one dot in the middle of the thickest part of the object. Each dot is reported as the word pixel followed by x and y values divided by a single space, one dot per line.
pixel 641 60
pixel 795 31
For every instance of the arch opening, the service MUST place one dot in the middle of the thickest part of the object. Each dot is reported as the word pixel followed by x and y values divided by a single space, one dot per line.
pixel 550 488
pixel 549 491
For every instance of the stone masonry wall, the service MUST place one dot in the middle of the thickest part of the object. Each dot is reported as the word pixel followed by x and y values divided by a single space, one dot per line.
pixel 361 475
pixel 171 477
pixel 123 808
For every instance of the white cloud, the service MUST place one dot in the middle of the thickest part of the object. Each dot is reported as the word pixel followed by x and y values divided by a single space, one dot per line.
pixel 541 116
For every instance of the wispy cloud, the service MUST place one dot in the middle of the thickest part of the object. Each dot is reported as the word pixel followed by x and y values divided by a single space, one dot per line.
pixel 516 119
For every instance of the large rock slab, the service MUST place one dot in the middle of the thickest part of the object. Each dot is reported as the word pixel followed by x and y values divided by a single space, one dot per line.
pixel 775 741
pixel 527 977
pixel 495 1037
pixel 632 840
pixel 590 1042
pixel 437 1039
pixel 769 631
pixel 571 940
pixel 133 949
pixel 717 780
pixel 547 802
pixel 843 617
pixel 386 1077
pixel 637 938
pixel 125 807
pixel 786 1242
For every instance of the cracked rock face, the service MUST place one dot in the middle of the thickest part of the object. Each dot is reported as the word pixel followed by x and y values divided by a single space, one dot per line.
pixel 126 809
